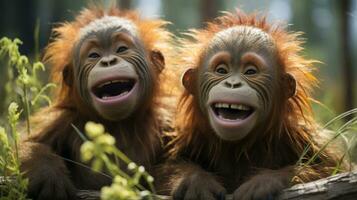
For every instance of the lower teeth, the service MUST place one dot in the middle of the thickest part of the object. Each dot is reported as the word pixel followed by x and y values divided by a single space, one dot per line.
pixel 124 93
pixel 105 96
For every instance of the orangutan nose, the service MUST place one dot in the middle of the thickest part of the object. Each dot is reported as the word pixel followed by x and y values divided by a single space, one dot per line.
pixel 108 61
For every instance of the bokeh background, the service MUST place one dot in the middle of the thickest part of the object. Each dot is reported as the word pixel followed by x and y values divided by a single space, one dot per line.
pixel 329 26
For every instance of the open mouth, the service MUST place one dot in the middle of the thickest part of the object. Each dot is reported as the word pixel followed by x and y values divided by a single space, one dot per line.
pixel 113 89
pixel 232 112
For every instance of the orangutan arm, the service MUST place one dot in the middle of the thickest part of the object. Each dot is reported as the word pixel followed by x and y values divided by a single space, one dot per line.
pixel 268 183
pixel 265 184
pixel 47 173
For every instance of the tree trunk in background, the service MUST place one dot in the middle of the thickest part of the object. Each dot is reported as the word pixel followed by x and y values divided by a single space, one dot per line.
pixel 125 4
pixel 347 66
pixel 209 10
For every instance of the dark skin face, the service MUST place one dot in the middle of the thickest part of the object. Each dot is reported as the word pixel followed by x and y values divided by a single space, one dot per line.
pixel 113 72
pixel 237 81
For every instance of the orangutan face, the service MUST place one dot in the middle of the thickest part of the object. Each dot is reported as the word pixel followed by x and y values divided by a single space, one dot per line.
pixel 237 80
pixel 112 69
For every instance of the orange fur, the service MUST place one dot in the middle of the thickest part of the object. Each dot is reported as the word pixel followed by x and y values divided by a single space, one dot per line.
pixel 139 137
pixel 292 124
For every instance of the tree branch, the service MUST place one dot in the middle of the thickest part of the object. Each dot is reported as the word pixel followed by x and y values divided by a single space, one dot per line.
pixel 338 187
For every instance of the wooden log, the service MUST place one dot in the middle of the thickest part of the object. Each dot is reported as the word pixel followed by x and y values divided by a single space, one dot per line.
pixel 338 187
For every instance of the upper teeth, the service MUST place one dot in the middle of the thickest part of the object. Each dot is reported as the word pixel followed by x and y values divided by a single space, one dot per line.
pixel 114 81
pixel 232 106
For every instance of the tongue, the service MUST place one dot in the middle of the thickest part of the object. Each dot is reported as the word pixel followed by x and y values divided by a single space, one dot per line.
pixel 108 96
pixel 233 114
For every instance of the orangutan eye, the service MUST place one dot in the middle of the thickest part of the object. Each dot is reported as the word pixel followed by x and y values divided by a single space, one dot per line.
pixel 221 69
pixel 250 70
pixel 122 49
pixel 93 55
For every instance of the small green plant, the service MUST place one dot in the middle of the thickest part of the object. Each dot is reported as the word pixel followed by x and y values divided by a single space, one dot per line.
pixel 23 82
pixel 98 149
pixel 14 184
pixel 347 131
pixel 23 86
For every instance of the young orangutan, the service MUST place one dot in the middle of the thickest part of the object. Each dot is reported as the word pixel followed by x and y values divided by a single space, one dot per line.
pixel 109 68
pixel 245 118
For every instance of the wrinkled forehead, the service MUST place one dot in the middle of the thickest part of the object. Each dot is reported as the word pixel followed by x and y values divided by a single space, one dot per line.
pixel 242 37
pixel 106 23
pixel 102 29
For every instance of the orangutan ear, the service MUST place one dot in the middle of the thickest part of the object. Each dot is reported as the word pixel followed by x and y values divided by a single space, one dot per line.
pixel 289 85
pixel 67 75
pixel 158 60
pixel 189 80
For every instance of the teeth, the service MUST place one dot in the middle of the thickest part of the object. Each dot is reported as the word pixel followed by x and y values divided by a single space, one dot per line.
pixel 120 81
pixel 103 84
pixel 105 96
pixel 114 81
pixel 222 105
pixel 239 107
pixel 124 93
pixel 232 106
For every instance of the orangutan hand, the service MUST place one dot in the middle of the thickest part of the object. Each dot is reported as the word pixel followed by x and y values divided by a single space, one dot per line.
pixel 199 185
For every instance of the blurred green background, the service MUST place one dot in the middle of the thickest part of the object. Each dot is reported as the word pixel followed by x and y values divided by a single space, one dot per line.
pixel 330 28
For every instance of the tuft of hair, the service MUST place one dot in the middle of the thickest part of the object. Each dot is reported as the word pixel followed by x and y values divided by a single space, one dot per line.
pixel 292 122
